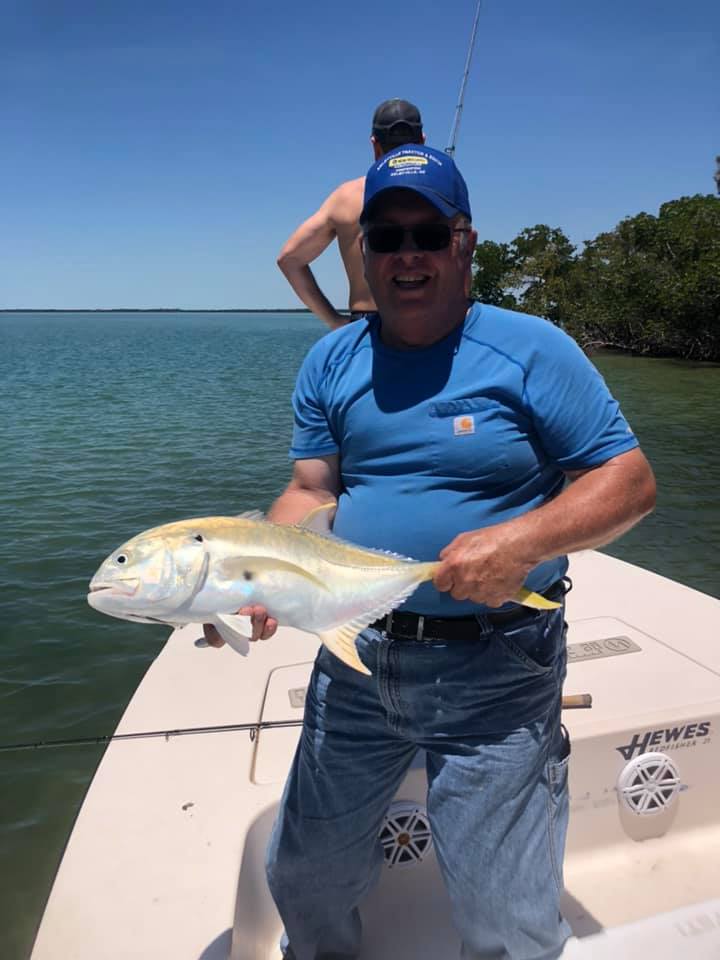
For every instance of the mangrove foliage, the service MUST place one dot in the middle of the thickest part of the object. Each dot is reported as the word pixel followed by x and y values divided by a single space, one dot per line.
pixel 650 286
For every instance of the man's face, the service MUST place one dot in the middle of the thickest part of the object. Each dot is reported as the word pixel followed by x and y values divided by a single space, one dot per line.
pixel 412 285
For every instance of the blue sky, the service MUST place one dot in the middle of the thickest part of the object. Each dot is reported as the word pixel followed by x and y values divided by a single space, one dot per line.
pixel 159 152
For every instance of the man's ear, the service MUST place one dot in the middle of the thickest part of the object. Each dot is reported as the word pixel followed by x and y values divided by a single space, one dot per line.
pixel 471 244
pixel 466 258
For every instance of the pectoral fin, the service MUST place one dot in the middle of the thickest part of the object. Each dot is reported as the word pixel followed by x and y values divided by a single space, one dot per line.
pixel 247 568
pixel 341 642
pixel 231 627
pixel 534 600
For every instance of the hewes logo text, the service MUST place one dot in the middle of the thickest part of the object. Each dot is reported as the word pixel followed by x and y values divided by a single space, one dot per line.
pixel 667 738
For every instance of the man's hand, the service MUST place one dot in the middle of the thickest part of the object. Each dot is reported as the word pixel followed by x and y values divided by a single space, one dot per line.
pixel 263 626
pixel 599 504
pixel 304 246
pixel 482 566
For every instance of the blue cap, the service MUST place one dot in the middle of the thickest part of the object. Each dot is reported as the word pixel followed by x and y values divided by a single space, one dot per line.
pixel 431 173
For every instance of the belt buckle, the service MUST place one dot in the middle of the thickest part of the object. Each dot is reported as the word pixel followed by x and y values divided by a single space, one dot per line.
pixel 420 628
pixel 388 623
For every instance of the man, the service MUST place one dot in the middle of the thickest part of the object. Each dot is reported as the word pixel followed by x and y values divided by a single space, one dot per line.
pixel 485 438
pixel 395 122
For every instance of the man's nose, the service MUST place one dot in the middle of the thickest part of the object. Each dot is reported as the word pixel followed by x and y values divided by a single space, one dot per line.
pixel 408 245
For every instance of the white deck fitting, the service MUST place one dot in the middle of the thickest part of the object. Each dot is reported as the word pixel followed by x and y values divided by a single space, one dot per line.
pixel 166 857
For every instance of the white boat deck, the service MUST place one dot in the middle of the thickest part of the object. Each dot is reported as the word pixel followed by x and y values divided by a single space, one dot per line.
pixel 166 856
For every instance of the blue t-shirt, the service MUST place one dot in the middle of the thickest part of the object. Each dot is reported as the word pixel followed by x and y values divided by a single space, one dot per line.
pixel 466 433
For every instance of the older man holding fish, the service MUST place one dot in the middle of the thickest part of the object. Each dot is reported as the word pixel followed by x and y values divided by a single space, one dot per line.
pixel 448 430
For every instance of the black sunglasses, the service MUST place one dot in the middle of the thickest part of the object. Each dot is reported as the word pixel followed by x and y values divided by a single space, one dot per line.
pixel 429 237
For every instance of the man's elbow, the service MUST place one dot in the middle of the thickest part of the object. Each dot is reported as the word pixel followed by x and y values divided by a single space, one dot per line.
pixel 285 262
pixel 650 496
pixel 645 491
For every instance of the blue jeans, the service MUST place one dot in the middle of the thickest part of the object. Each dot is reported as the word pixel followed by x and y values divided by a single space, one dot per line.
pixel 487 713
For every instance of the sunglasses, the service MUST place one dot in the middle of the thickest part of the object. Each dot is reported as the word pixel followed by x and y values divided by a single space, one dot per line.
pixel 429 237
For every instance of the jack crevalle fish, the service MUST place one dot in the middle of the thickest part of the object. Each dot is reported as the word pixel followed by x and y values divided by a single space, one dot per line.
pixel 204 570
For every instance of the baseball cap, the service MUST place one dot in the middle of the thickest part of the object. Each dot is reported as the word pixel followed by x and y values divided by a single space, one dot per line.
pixel 396 119
pixel 429 172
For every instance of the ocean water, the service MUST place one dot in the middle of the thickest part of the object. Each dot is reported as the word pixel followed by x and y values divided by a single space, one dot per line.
pixel 111 423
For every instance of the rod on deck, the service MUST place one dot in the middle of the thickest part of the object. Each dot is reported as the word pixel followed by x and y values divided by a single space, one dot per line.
pixel 252 728
pixel 573 701
pixel 450 149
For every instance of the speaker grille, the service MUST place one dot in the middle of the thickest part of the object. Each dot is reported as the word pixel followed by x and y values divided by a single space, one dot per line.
pixel 405 834
pixel 649 784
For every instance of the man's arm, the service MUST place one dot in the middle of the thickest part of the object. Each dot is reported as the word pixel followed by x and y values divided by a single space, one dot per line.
pixel 307 243
pixel 490 565
pixel 314 483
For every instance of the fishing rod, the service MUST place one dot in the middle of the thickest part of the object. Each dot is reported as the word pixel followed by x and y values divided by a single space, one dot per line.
pixel 574 701
pixel 253 729
pixel 450 149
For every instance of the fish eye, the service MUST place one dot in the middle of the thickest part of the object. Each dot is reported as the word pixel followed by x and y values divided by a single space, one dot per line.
pixel 121 558
pixel 247 574
pixel 199 537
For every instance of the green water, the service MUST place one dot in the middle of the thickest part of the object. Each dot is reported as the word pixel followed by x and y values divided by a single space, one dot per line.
pixel 111 423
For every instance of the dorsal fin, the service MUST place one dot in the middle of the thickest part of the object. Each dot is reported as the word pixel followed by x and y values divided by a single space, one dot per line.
pixel 250 515
pixel 319 519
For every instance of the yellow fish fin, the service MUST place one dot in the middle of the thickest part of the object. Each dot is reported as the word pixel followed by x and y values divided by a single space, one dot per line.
pixel 320 519
pixel 238 568
pixel 530 599
pixel 341 642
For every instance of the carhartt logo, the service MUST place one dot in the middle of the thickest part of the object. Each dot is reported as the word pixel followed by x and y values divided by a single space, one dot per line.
pixel 670 738
pixel 462 425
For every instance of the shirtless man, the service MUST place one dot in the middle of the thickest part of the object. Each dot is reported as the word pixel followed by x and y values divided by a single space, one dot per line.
pixel 395 122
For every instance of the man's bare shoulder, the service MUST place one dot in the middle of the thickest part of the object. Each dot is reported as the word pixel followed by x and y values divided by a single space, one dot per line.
pixel 344 204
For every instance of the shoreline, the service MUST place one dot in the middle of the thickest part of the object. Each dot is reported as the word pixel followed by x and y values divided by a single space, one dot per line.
pixel 156 310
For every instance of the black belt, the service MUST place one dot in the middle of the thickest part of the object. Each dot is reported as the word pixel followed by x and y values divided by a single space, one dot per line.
pixel 403 625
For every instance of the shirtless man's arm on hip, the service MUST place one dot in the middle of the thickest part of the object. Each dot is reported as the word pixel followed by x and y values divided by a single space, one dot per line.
pixel 337 218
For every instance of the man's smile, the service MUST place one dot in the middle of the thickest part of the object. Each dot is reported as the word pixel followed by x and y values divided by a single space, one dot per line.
pixel 410 281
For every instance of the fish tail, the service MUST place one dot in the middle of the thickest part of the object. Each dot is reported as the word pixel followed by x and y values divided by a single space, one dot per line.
pixel 426 571
pixel 527 598
pixel 535 600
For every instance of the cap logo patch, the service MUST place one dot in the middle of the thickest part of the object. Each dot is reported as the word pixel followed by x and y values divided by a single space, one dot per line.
pixel 463 425
pixel 408 161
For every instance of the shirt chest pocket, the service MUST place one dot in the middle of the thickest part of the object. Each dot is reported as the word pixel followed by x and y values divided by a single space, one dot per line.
pixel 469 438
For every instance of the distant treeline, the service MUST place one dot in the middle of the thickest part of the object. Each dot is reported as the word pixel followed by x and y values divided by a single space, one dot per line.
pixel 156 310
pixel 650 286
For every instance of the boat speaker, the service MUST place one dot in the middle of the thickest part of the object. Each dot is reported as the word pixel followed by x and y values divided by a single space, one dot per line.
pixel 649 784
pixel 405 835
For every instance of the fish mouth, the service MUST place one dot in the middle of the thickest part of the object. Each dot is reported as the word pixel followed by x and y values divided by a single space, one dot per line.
pixel 118 588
